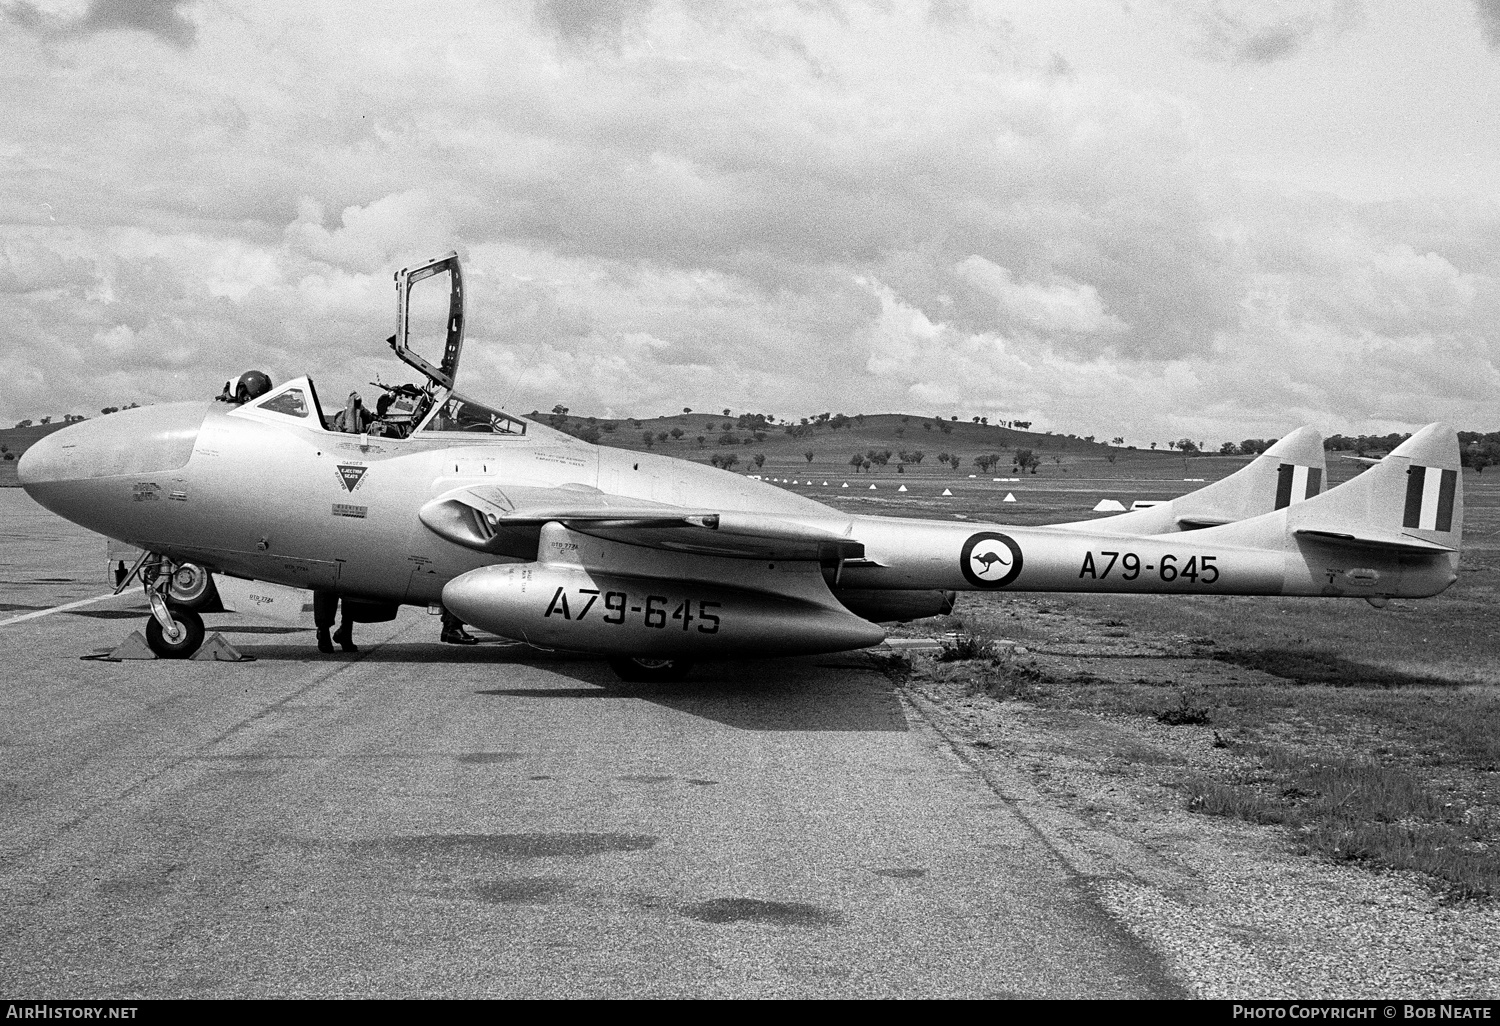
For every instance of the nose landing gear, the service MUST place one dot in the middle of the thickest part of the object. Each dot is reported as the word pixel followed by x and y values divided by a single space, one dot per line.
pixel 182 639
pixel 176 593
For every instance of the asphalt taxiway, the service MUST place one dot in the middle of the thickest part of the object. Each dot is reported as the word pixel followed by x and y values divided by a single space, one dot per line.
pixel 422 819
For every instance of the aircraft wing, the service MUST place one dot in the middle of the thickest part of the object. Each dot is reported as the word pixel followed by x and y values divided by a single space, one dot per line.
pixel 1372 539
pixel 478 517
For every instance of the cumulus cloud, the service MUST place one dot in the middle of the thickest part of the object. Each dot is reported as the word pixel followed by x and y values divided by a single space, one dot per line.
pixel 165 19
pixel 780 207
pixel 1262 31
pixel 1489 20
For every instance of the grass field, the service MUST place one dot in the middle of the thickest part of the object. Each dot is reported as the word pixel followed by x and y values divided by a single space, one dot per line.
pixel 1369 736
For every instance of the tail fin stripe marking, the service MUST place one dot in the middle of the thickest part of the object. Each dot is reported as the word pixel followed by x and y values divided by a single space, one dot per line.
pixel 1284 474
pixel 1430 493
pixel 1415 477
pixel 1432 489
pixel 1445 501
pixel 1314 481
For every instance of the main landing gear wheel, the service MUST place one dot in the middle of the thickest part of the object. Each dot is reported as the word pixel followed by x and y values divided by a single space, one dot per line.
pixel 187 638
pixel 649 669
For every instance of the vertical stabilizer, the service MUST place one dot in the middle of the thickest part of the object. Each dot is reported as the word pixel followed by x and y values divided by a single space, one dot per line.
pixel 1289 472
pixel 1412 501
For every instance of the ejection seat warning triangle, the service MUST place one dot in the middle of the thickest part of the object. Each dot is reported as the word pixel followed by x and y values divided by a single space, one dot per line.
pixel 217 650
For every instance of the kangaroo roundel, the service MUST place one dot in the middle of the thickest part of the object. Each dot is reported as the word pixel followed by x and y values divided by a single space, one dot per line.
pixel 990 560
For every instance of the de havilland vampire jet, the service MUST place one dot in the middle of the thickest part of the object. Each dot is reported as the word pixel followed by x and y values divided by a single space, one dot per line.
pixel 655 562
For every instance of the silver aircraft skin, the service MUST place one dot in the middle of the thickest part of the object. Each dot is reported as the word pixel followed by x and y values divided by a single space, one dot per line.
pixel 653 561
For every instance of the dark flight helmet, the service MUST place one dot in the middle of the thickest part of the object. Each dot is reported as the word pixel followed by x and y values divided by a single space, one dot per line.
pixel 253 384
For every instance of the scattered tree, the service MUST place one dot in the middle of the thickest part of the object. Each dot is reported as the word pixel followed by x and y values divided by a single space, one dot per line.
pixel 649 437
pixel 808 455
pixel 1025 460
pixel 23 423
pixel 759 459
pixel 676 434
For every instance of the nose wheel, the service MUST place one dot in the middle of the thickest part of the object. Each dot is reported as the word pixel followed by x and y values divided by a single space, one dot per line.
pixel 184 638
pixel 173 632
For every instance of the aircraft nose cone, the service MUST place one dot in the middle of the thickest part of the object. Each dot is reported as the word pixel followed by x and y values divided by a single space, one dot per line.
pixel 60 470
pixel 42 461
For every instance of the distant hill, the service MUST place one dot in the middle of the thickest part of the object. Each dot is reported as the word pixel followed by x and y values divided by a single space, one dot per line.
pixel 859 433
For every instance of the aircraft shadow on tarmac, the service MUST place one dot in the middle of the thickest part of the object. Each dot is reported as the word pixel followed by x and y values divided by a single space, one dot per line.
pixel 778 694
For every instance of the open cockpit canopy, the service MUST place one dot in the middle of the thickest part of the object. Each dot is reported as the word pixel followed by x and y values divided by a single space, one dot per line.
pixel 407 409
pixel 456 413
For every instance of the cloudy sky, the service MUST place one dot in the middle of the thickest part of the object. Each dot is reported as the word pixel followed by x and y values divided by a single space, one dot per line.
pixel 1153 218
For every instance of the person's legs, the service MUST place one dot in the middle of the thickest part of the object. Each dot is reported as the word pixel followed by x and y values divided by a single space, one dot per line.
pixel 325 608
pixel 454 633
pixel 345 634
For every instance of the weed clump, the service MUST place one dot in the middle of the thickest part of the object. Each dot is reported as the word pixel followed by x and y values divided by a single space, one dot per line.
pixel 965 647
pixel 1184 714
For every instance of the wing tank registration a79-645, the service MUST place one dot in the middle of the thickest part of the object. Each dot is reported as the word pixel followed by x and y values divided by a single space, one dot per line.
pixel 656 562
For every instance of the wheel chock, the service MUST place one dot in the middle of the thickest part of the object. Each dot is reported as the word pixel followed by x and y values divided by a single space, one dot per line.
pixel 217 650
pixel 133 647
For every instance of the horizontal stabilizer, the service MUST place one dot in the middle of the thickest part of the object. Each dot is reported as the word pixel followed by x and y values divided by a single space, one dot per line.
pixel 1374 539
pixel 1199 520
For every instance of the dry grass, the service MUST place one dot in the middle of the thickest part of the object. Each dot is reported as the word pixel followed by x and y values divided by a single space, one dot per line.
pixel 1357 810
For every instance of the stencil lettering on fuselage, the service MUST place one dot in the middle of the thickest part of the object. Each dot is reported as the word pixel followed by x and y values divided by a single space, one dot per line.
pixel 990 560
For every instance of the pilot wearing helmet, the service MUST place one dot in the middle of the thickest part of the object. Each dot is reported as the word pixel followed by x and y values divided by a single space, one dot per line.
pixel 252 385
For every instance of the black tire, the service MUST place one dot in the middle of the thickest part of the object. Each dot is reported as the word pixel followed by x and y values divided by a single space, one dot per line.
pixel 183 648
pixel 192 587
pixel 649 669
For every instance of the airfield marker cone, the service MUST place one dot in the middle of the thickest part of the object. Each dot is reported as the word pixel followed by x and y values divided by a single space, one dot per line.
pixel 872 488
pixel 901 489
pixel 1009 497
pixel 947 492
pixel 846 484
